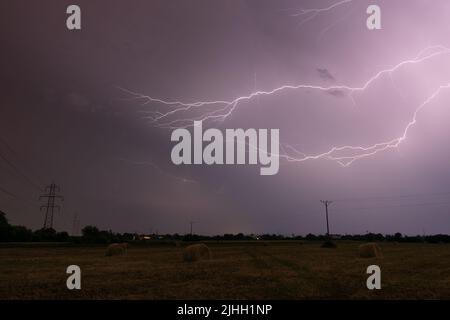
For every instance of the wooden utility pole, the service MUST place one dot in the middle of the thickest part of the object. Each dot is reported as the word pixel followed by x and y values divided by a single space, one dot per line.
pixel 326 204
pixel 191 223
pixel 191 226
pixel 76 225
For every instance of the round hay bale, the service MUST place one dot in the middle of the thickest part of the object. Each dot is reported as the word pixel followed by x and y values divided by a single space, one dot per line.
pixel 369 250
pixel 116 249
pixel 196 252
pixel 329 244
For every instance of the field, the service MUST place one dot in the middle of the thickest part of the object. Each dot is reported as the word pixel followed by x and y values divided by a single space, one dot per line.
pixel 238 270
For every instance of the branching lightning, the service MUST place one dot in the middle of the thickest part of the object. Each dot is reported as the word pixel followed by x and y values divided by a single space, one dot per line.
pixel 309 14
pixel 220 110
pixel 364 152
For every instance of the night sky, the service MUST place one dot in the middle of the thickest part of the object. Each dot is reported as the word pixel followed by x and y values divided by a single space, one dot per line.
pixel 65 118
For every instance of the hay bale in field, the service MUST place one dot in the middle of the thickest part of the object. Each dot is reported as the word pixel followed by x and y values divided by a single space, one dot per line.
pixel 196 252
pixel 370 250
pixel 116 249
pixel 329 244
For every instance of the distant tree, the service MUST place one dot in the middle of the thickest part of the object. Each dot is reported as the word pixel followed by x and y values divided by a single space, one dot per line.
pixel 3 220
pixel 176 236
pixel 90 231
pixel 374 237
pixel 310 236
pixel 5 228
pixel 126 237
pixel 227 236
pixel 62 236
pixel 93 234
pixel 240 236
pixel 44 234
pixel 21 234
pixel 9 232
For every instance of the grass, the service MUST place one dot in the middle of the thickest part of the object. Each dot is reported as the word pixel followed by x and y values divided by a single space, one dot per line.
pixel 244 270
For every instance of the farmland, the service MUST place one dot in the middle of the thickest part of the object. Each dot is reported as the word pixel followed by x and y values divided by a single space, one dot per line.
pixel 238 270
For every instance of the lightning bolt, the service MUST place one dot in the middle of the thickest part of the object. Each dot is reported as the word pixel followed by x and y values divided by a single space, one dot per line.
pixel 333 24
pixel 220 110
pixel 309 14
pixel 368 151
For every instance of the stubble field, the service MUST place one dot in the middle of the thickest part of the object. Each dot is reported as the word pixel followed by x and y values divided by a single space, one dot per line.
pixel 238 270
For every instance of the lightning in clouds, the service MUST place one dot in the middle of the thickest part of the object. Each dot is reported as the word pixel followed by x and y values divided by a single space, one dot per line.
pixel 220 110
pixel 335 23
pixel 358 152
pixel 179 114
pixel 309 14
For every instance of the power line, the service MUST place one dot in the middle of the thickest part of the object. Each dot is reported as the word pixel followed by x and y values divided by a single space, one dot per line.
pixel 14 153
pixel 17 198
pixel 192 223
pixel 405 205
pixel 11 150
pixel 76 225
pixel 8 193
pixel 20 173
pixel 17 172
pixel 394 197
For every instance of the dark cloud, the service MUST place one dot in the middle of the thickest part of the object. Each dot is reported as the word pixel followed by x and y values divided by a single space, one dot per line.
pixel 325 74
pixel 337 93
pixel 207 50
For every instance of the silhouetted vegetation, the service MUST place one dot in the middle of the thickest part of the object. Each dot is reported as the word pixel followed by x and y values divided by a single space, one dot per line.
pixel 11 233
pixel 92 234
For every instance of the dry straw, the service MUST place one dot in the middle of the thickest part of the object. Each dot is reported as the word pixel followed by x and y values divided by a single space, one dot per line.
pixel 370 250
pixel 196 252
pixel 116 249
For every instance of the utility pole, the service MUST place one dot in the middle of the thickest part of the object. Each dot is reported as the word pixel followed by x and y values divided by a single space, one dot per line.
pixel 326 203
pixel 50 206
pixel 76 225
pixel 191 223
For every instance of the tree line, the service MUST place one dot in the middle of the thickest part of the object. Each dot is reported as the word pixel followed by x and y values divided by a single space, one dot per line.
pixel 92 234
